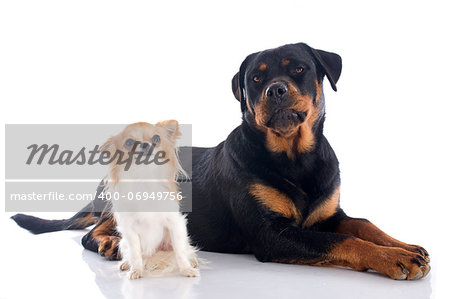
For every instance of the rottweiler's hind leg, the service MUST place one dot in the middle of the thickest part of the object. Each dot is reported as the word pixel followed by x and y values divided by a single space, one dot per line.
pixel 104 239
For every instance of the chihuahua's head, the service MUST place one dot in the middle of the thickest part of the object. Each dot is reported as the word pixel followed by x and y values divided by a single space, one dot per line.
pixel 144 151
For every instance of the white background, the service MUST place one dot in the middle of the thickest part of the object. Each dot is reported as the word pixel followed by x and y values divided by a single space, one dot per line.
pixel 122 62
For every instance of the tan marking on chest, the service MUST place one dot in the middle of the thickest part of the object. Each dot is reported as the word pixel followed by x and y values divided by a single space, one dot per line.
pixel 279 144
pixel 325 210
pixel 275 200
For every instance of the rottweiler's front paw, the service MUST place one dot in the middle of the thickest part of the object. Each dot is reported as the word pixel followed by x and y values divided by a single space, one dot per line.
pixel 108 247
pixel 421 251
pixel 398 263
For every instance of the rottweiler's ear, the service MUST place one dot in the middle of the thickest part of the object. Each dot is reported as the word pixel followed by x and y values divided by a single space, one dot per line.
pixel 237 83
pixel 331 64
pixel 235 87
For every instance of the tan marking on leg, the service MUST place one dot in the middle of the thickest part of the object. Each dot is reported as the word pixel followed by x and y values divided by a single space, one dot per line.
pixel 325 210
pixel 361 255
pixel 86 221
pixel 366 230
pixel 108 227
pixel 107 242
pixel 397 263
pixel 275 200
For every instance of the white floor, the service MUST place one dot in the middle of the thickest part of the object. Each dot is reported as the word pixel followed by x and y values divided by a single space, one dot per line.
pixel 55 265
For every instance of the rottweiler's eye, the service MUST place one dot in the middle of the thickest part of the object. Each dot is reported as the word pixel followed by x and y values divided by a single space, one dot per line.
pixel 256 78
pixel 129 142
pixel 156 139
pixel 298 70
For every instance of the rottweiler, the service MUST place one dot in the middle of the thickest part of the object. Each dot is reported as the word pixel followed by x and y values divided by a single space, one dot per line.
pixel 272 187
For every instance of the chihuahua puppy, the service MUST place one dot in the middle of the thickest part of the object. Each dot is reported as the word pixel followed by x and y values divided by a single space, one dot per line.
pixel 151 240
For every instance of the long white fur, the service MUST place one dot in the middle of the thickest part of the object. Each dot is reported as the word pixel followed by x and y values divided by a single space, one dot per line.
pixel 152 242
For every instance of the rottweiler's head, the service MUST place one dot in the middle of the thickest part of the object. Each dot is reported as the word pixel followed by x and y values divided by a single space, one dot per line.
pixel 280 91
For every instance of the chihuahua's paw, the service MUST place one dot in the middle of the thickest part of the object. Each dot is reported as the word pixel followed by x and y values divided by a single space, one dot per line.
pixel 190 272
pixel 134 274
pixel 194 261
pixel 124 266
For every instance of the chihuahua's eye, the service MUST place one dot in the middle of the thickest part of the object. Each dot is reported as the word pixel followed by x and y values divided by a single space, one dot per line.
pixel 156 139
pixel 129 142
pixel 256 78
pixel 298 70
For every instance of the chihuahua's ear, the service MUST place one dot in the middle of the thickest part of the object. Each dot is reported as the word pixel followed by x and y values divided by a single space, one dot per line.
pixel 329 64
pixel 108 146
pixel 171 126
pixel 238 82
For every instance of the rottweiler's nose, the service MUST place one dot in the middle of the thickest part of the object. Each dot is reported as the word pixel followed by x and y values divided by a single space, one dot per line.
pixel 276 91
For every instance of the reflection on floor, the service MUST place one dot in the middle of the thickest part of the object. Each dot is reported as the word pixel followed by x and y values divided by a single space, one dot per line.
pixel 55 265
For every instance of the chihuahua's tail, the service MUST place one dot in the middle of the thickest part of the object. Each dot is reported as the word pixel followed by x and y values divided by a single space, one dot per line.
pixel 84 218
pixel 164 263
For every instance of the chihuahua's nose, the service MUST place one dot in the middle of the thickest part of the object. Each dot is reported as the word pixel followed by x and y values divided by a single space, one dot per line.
pixel 276 91
pixel 145 146
pixel 156 139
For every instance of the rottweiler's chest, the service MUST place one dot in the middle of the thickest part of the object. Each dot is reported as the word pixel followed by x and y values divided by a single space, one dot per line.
pixel 305 202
